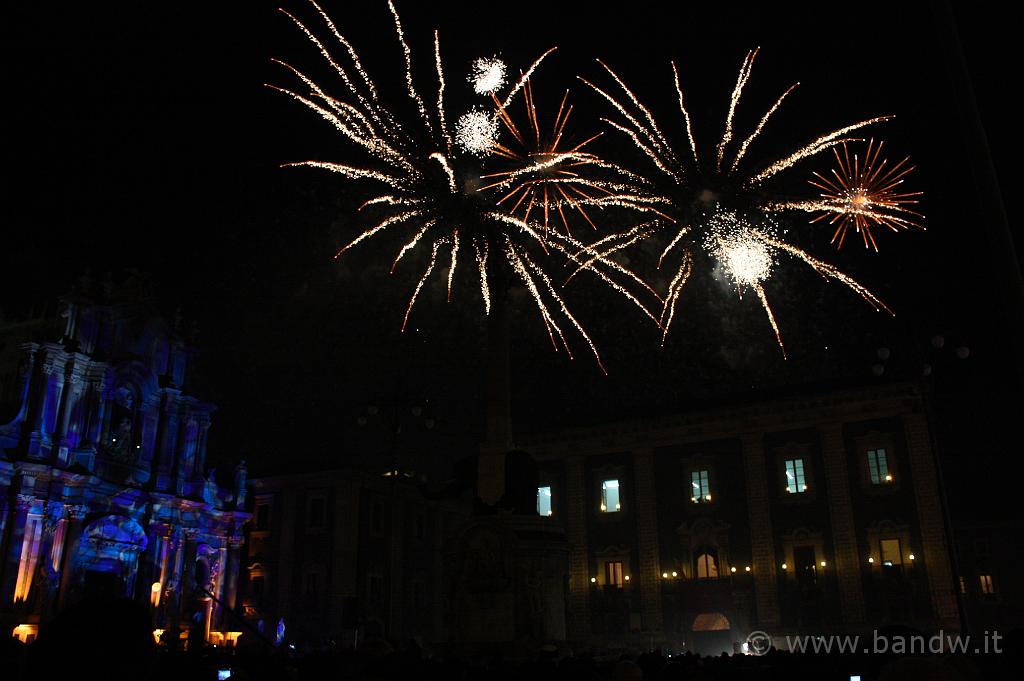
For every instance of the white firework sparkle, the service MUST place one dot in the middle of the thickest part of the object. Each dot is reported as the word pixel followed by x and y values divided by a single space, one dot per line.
pixel 477 131
pixel 487 75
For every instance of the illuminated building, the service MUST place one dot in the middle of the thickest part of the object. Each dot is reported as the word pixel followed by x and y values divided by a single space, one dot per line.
pixel 815 514
pixel 103 481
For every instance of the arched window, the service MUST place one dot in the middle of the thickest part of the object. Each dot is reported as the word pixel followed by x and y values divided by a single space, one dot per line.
pixel 707 566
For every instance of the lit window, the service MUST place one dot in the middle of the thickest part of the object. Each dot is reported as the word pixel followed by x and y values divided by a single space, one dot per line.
pixel 892 553
pixel 987 585
pixel 701 492
pixel 544 501
pixel 878 467
pixel 963 585
pixel 613 574
pixel 610 502
pixel 795 480
pixel 707 566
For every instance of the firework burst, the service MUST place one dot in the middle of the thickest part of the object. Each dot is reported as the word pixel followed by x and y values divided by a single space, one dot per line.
pixel 863 195
pixel 706 190
pixel 430 178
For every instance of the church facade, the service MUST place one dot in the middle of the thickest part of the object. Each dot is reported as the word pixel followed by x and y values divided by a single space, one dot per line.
pixel 103 482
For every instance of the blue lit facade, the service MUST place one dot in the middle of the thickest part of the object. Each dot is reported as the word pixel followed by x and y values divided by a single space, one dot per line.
pixel 103 480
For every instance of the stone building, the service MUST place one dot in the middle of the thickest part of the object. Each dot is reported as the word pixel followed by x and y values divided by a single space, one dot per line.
pixel 342 555
pixel 817 514
pixel 103 482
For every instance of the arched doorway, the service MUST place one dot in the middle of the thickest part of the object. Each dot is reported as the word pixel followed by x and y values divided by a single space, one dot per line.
pixel 109 555
pixel 712 634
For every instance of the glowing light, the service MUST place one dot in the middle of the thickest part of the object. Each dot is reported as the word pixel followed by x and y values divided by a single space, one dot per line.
pixel 863 195
pixel 155 592
pixel 784 566
pixel 912 557
pixel 683 186
pixel 675 574
pixel 476 132
pixel 26 633
pixel 664 575
pixel 732 569
pixel 487 75
pixel 823 563
pixel 746 569
pixel 430 170
pixel 593 580
pixel 627 576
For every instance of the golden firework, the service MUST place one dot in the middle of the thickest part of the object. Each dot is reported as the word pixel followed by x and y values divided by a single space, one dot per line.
pixel 703 194
pixel 866 194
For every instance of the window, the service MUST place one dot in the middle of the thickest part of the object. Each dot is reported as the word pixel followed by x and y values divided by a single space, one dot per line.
pixel 613 574
pixel 312 584
pixel 262 516
pixel 701 492
pixel 892 553
pixel 544 501
pixel 707 566
pixel 796 483
pixel 315 512
pixel 988 587
pixel 805 567
pixel 878 467
pixel 376 588
pixel 963 585
pixel 610 502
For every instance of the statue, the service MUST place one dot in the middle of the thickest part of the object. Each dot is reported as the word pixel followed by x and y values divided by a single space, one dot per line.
pixel 241 473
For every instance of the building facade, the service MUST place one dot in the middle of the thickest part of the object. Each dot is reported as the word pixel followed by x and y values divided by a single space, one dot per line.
pixel 813 515
pixel 819 514
pixel 103 481
pixel 342 556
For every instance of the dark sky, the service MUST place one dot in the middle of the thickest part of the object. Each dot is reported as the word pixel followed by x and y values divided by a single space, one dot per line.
pixel 140 136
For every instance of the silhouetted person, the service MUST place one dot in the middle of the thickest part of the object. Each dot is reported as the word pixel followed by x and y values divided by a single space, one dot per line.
pixel 95 638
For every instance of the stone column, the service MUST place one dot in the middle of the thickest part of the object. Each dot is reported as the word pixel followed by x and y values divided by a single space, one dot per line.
pixel 64 437
pixel 231 569
pixel 167 440
pixel 72 541
pixel 848 556
pixel 51 399
pixel 174 584
pixel 647 541
pixel 15 540
pixel 931 518
pixel 762 535
pixel 396 602
pixel 47 577
pixel 576 513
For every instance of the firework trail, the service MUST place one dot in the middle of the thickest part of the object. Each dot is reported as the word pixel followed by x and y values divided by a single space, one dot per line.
pixel 705 197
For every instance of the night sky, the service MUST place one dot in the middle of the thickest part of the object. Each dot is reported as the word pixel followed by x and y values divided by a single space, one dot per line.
pixel 140 137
